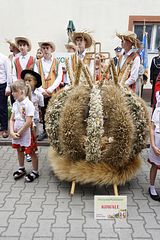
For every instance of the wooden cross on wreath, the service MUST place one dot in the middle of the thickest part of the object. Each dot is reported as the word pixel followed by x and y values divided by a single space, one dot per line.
pixel 102 56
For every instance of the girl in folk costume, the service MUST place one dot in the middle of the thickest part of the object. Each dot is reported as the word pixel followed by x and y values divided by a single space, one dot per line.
pixel 154 151
pixel 128 41
pixel 51 74
pixel 34 80
pixel 39 53
pixel 100 67
pixel 24 60
pixel 21 129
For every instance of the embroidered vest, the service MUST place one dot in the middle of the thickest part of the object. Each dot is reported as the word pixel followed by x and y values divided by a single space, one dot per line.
pixel 47 82
pixel 19 69
pixel 87 59
pixel 121 71
pixel 74 60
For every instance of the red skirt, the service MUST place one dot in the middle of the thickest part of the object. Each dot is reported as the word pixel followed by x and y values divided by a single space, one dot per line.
pixel 32 148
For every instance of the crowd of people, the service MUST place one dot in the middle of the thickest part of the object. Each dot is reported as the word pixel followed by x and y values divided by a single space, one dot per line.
pixel 31 81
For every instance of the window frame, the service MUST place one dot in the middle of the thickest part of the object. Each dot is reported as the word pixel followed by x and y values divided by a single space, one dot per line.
pixel 133 20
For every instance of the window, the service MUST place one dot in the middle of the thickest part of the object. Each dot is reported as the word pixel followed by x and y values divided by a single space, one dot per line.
pixel 151 26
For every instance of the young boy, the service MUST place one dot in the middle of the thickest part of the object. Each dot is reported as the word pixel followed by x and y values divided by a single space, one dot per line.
pixel 51 74
pixel 83 41
pixel 24 60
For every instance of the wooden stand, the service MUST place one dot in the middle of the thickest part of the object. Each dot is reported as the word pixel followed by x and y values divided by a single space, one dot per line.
pixel 115 189
pixel 73 187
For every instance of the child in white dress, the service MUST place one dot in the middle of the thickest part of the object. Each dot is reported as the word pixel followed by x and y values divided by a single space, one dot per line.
pixel 154 151
pixel 21 130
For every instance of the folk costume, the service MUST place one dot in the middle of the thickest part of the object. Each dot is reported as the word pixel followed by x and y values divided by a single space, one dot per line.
pixel 36 97
pixel 154 71
pixel 84 56
pixel 22 110
pixel 153 158
pixel 22 61
pixel 127 58
pixel 51 76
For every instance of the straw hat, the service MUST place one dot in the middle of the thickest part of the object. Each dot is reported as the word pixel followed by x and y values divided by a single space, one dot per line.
pixel 131 37
pixel 24 39
pixel 12 43
pixel 71 45
pixel 83 35
pixel 51 44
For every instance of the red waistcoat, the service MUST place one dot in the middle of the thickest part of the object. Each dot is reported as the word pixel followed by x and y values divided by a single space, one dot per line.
pixel 19 69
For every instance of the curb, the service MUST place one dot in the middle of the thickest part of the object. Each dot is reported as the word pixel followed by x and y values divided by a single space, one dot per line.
pixel 8 142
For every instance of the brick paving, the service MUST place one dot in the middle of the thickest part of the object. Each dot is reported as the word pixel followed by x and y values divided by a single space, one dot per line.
pixel 44 210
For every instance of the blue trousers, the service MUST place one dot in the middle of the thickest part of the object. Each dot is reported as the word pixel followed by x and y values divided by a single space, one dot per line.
pixel 3 108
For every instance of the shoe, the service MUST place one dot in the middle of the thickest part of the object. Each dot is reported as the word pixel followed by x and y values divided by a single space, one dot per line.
pixel 28 158
pixel 20 173
pixel 154 197
pixel 31 176
pixel 42 136
pixel 5 134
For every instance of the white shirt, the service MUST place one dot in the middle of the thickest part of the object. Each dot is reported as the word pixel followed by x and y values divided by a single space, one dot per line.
pixel 156 119
pixel 38 101
pixel 135 67
pixel 81 55
pixel 91 65
pixel 5 71
pixel 46 65
pixel 23 62
pixel 21 110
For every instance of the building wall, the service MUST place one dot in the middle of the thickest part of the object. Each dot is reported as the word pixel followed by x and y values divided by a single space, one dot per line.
pixel 48 20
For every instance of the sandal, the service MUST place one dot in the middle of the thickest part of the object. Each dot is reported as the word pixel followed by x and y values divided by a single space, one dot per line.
pixel 20 173
pixel 5 134
pixel 31 176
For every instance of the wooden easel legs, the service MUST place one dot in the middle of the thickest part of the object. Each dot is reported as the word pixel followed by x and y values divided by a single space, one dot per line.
pixel 74 185
pixel 115 189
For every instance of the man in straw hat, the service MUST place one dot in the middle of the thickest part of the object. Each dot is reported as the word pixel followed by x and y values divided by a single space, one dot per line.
pixel 13 49
pixel 129 41
pixel 24 60
pixel 51 74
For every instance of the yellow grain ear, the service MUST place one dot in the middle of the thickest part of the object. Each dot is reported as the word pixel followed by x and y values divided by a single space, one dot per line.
pixel 78 72
pixel 69 71
pixel 87 75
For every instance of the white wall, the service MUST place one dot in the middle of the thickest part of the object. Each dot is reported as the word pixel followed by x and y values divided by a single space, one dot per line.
pixel 48 19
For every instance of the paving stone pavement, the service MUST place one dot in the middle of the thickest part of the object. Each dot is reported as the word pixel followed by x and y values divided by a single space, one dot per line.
pixel 44 210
